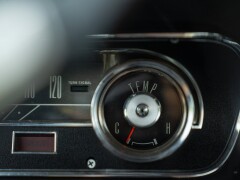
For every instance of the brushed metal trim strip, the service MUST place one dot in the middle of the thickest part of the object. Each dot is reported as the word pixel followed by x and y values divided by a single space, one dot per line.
pixel 163 35
pixel 46 123
pixel 72 124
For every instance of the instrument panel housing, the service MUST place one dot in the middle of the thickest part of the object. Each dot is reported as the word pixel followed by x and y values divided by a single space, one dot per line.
pixel 213 61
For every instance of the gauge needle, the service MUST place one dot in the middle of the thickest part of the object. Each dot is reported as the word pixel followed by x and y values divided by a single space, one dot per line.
pixel 130 135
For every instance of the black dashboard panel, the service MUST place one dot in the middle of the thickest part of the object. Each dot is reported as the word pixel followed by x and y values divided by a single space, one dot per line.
pixel 211 60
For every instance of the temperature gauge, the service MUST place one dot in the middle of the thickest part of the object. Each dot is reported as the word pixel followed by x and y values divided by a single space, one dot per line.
pixel 143 111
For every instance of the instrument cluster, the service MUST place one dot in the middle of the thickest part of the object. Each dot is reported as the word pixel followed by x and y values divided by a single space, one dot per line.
pixel 127 105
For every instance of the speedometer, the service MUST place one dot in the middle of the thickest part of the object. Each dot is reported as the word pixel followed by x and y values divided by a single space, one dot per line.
pixel 61 98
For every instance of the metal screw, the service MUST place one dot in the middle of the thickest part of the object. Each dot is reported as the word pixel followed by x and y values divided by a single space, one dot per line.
pixel 91 163
pixel 142 110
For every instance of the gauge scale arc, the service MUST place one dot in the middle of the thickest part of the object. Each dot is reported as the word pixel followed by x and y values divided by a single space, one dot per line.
pixel 143 111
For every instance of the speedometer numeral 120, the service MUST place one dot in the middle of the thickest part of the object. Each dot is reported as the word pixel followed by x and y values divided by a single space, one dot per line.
pixel 55 87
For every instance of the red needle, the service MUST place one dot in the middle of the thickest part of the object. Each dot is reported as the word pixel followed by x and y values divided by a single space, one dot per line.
pixel 130 135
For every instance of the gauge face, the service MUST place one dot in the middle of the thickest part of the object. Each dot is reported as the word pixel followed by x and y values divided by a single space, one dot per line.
pixel 143 109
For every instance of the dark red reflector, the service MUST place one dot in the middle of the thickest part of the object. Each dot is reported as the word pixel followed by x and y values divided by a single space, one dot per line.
pixel 34 143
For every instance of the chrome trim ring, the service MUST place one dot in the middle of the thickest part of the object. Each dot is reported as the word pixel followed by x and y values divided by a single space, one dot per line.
pixel 118 149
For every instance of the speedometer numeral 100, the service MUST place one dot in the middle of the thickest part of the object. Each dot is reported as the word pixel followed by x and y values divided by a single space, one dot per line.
pixel 55 87
pixel 30 92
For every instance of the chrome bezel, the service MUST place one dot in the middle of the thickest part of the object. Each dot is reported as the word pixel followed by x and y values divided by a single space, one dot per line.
pixel 122 151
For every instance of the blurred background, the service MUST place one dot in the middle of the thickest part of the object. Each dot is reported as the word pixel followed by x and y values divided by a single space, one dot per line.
pixel 37 35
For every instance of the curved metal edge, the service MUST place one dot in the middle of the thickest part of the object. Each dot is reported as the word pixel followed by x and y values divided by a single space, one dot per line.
pixel 153 35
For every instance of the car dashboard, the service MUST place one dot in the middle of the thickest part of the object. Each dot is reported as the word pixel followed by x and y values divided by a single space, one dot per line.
pixel 117 105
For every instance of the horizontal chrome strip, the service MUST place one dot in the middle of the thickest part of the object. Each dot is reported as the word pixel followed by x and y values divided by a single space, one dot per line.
pixel 85 122
pixel 182 35
pixel 84 105
pixel 46 124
